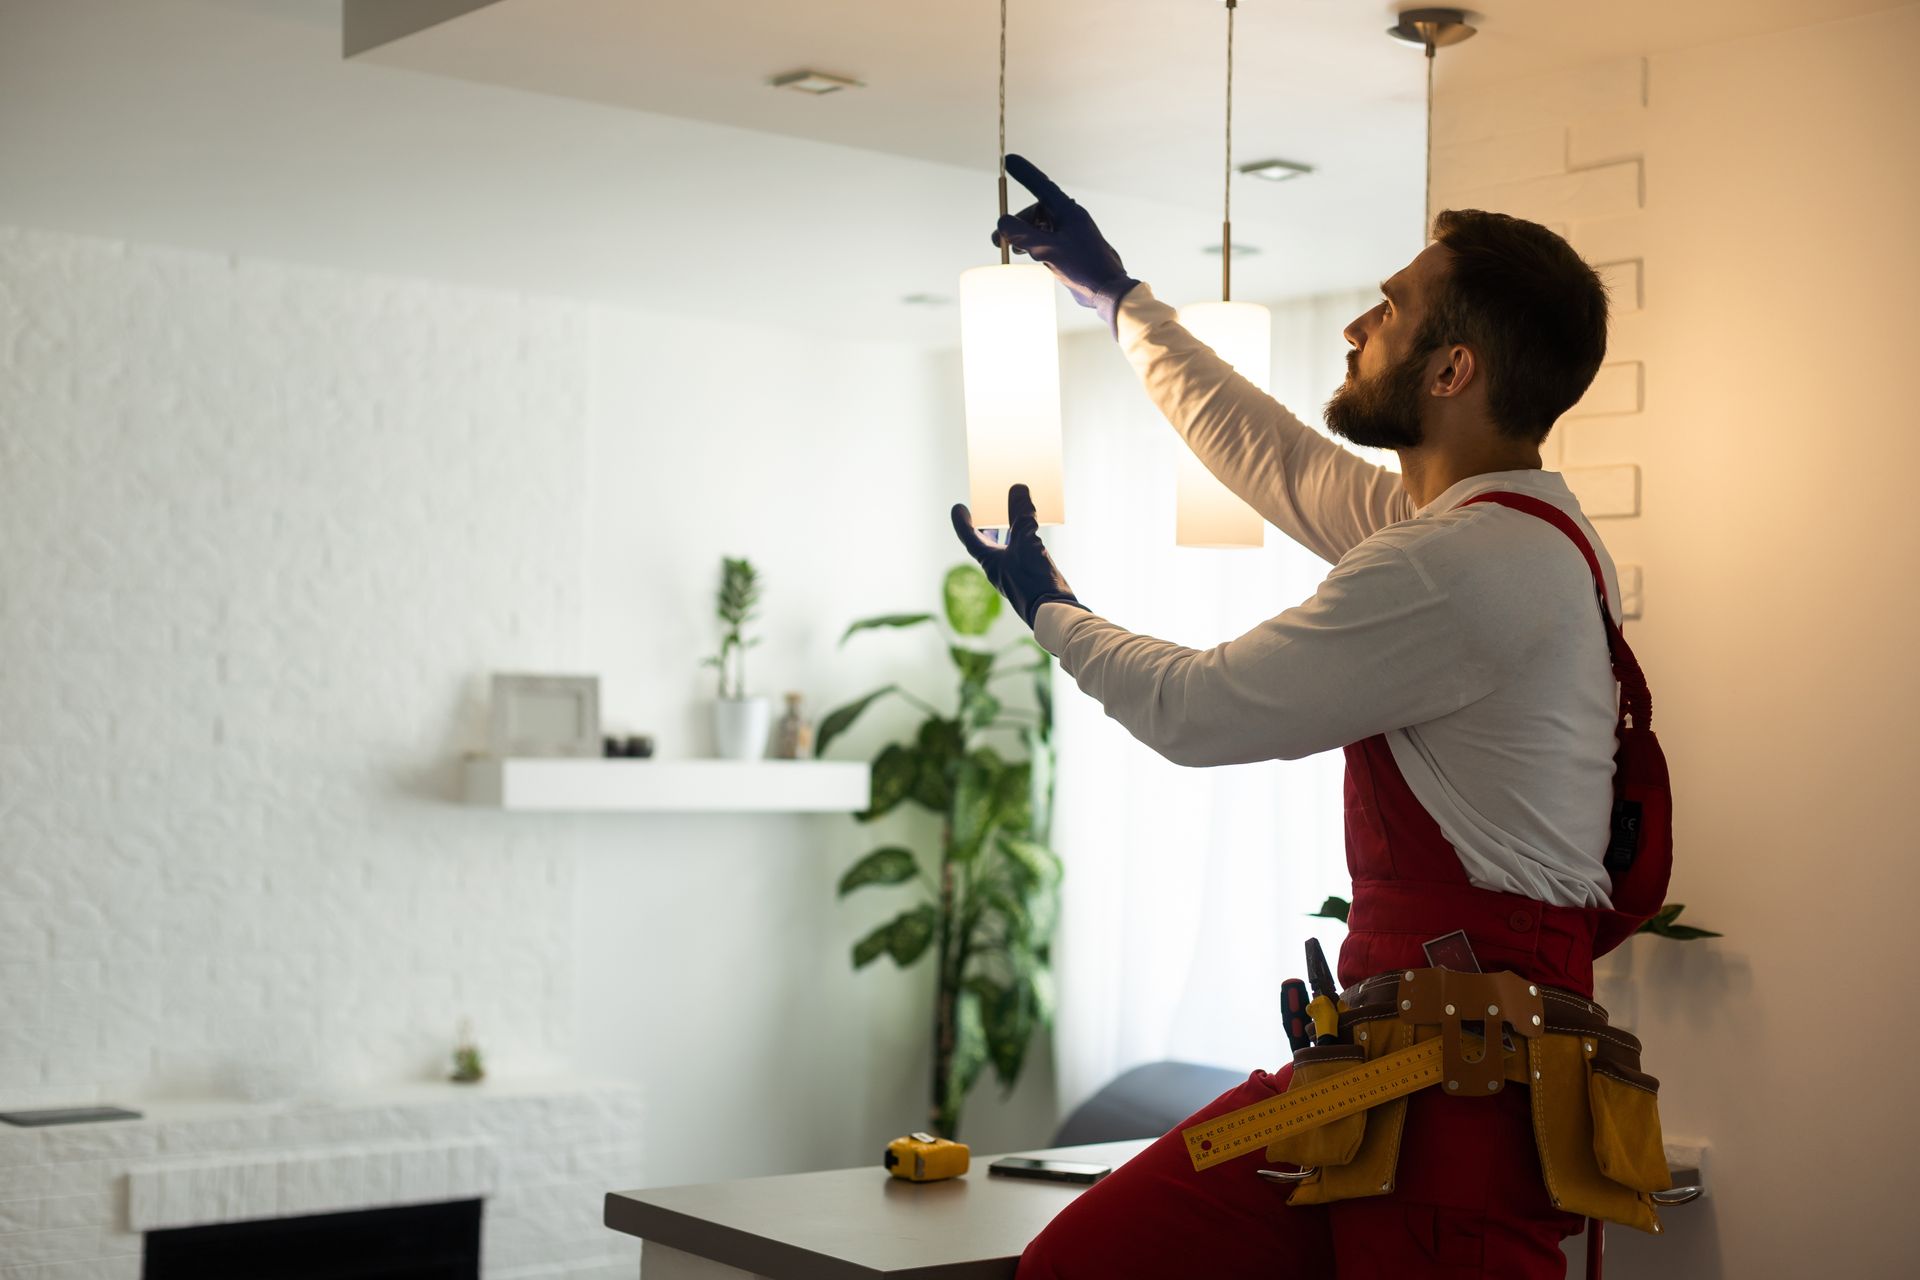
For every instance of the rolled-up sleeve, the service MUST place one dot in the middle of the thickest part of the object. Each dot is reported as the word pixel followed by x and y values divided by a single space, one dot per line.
pixel 1378 646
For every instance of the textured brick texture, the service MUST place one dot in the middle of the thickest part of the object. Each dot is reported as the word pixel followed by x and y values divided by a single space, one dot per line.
pixel 1568 151
pixel 74 1202
pixel 263 532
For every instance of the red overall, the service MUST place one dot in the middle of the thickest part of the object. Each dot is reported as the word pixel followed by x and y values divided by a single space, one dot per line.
pixel 1469 1199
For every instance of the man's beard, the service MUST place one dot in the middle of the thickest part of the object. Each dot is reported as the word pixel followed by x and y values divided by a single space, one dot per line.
pixel 1382 412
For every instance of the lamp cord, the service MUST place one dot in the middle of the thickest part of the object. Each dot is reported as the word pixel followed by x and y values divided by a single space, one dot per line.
pixel 1006 252
pixel 1426 209
pixel 1226 200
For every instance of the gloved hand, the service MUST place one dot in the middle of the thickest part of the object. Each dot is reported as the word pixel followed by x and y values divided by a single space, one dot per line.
pixel 1059 233
pixel 1022 571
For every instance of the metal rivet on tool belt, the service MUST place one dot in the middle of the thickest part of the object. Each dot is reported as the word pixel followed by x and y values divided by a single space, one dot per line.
pixel 1536 1075
pixel 1453 1084
pixel 1388 1186
pixel 1533 991
pixel 1449 1008
pixel 1406 1004
pixel 1589 1046
pixel 1493 1009
pixel 1492 1085
pixel 1409 975
pixel 1536 1019
pixel 1363 1035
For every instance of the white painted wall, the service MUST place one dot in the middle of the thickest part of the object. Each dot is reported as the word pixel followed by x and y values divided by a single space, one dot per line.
pixel 1778 452
pixel 712 954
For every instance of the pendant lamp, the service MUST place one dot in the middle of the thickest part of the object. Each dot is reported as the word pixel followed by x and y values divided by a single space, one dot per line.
pixel 1010 370
pixel 1241 333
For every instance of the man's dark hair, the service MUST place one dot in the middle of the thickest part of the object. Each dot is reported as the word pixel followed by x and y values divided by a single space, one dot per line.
pixel 1530 308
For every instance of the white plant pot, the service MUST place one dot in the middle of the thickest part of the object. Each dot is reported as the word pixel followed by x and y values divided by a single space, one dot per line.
pixel 740 727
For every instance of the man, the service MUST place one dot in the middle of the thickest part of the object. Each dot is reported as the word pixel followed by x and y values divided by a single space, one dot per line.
pixel 1454 652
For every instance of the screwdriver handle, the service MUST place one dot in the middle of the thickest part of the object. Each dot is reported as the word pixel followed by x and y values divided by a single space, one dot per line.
pixel 1293 1007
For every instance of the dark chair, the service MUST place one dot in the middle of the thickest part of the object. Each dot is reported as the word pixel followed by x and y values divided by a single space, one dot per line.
pixel 1145 1102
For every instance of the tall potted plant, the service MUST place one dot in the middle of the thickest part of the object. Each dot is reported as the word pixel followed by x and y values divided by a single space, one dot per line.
pixel 740 723
pixel 990 891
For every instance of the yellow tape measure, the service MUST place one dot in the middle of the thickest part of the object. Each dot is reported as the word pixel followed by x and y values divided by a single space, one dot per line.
pixel 1368 1085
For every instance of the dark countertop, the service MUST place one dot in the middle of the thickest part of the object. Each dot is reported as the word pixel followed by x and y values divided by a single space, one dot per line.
pixel 860 1224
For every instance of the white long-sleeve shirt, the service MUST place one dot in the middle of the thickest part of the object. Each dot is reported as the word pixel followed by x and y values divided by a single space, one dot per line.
pixel 1469 636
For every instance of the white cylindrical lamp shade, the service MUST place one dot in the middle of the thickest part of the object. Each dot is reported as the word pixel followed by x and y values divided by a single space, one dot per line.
pixel 1209 514
pixel 1010 368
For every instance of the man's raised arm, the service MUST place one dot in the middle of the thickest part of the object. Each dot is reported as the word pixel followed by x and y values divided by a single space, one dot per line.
pixel 1317 493
pixel 1322 496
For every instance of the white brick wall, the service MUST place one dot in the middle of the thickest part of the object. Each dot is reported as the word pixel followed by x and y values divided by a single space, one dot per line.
pixel 263 532
pixel 1568 151
pixel 74 1201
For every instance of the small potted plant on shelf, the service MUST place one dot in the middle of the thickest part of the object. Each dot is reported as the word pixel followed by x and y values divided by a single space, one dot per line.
pixel 740 723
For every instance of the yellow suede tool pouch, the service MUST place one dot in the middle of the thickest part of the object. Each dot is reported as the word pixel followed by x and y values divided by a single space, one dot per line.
pixel 1366 1169
pixel 1596 1120
pixel 1329 1144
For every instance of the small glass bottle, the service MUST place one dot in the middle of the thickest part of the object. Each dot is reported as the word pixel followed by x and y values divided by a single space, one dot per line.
pixel 793 736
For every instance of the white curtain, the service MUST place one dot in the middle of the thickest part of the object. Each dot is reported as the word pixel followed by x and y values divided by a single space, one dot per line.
pixel 1187 890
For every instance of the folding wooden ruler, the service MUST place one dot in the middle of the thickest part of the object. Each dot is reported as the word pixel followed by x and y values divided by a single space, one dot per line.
pixel 1368 1084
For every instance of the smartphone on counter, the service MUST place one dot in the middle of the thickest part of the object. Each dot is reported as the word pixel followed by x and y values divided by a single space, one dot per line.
pixel 1048 1170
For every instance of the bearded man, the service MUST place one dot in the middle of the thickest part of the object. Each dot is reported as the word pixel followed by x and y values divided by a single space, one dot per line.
pixel 1453 653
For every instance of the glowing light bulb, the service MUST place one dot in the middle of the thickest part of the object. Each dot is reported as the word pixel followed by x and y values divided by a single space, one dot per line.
pixel 1210 515
pixel 1010 367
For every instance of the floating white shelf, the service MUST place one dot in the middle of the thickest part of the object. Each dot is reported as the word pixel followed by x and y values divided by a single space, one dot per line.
pixel 668 786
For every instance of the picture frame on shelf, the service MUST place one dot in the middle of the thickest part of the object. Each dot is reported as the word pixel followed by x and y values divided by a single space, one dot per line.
pixel 545 716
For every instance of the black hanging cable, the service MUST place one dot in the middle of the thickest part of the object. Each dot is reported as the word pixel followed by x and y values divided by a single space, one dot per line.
pixel 1226 202
pixel 1006 252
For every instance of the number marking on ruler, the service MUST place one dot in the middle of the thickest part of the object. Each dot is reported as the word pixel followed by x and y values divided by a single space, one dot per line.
pixel 1368 1085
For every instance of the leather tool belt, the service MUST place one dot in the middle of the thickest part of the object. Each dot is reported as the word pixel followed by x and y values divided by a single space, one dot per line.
pixel 1595 1113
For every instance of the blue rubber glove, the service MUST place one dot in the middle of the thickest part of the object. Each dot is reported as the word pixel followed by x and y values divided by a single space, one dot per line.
pixel 1059 233
pixel 1022 571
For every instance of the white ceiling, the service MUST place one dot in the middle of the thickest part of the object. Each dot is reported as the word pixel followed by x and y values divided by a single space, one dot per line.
pixel 651 166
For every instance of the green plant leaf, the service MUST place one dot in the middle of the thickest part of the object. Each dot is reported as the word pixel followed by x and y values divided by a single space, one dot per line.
pixel 978 707
pixel 972 603
pixel 969 1049
pixel 975 665
pixel 873 946
pixel 1040 983
pixel 941 746
pixel 1686 932
pixel 1006 1013
pixel 1035 864
pixel 974 796
pixel 911 933
pixel 839 720
pixel 1664 916
pixel 1663 924
pixel 1039 786
pixel 1043 695
pixel 1333 909
pixel 891 865
pixel 894 772
pixel 886 620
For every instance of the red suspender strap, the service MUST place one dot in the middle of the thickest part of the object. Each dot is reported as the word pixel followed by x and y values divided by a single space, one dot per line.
pixel 1636 700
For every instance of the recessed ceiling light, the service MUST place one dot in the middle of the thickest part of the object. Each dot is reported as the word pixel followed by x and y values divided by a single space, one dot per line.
pixel 1240 249
pixel 1275 170
pixel 926 299
pixel 814 82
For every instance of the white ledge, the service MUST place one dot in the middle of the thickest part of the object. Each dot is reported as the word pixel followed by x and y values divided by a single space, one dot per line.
pixel 668 786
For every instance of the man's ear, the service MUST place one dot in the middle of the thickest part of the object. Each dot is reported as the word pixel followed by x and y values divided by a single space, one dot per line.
pixel 1459 373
